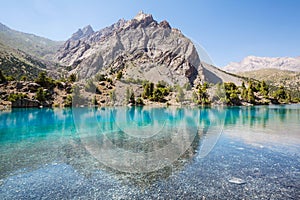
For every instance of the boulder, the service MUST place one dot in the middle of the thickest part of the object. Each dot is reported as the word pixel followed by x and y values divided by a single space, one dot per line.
pixel 33 87
pixel 25 103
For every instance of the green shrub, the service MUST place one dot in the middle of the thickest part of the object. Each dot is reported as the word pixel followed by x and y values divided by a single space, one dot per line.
pixel 139 101
pixel 72 78
pixel 180 94
pixel 40 94
pixel 157 95
pixel 13 97
pixel 90 86
pixel 2 77
pixel 45 81
pixel 119 75
pixel 113 96
pixel 68 101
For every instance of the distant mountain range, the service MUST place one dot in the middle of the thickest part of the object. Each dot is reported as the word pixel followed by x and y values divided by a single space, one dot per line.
pixel 278 71
pixel 252 63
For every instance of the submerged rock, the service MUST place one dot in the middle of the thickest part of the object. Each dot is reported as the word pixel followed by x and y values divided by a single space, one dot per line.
pixel 235 180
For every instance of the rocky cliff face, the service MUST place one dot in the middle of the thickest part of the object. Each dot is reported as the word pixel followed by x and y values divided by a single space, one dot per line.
pixel 142 44
pixel 252 63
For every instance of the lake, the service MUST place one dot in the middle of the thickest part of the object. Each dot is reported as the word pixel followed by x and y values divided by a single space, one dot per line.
pixel 151 153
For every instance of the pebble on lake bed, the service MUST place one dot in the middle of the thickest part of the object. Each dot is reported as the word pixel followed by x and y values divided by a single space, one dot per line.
pixel 236 181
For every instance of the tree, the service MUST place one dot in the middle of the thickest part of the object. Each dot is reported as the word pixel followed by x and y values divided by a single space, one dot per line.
pixel 139 101
pixel 244 92
pixel 132 97
pixel 127 95
pixel 40 94
pixel 148 89
pixel 157 95
pixel 112 96
pixel 250 96
pixel 264 88
pixel 202 92
pixel 119 75
pixel 161 84
pixel 44 81
pixel 231 94
pixel 2 77
pixel 94 101
pixel 180 94
pixel 90 86
pixel 23 78
pixel 72 78
pixel 280 94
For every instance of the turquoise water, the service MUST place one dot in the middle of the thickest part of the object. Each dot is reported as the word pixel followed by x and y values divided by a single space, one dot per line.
pixel 125 153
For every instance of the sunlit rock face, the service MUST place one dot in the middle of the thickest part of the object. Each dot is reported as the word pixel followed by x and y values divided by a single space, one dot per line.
pixel 87 51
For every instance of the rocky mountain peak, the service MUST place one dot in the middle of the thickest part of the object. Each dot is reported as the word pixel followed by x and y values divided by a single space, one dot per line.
pixel 81 33
pixel 174 54
pixel 143 16
pixel 88 30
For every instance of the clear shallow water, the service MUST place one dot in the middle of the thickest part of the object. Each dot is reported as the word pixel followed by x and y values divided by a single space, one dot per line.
pixel 149 153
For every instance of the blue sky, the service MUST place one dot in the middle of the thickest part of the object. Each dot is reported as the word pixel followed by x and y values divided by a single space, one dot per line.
pixel 229 30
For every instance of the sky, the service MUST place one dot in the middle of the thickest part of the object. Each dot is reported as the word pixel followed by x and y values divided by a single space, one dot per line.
pixel 228 30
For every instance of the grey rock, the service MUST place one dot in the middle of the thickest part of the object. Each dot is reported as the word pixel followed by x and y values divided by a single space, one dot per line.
pixel 25 103
pixel 235 180
pixel 173 52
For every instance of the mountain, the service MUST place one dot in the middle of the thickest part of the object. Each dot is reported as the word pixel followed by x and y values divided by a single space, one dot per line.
pixel 276 77
pixel 141 48
pixel 251 63
pixel 17 63
pixel 29 43
pixel 279 71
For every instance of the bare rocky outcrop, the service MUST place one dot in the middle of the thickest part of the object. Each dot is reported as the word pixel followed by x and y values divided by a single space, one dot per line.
pixel 165 48
pixel 25 103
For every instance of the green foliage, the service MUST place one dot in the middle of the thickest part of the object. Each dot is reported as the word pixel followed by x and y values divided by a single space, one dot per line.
pixel 264 89
pixel 187 86
pixel 202 94
pixel 148 90
pixel 113 96
pixel 68 101
pixel 158 95
pixel 161 84
pixel 77 98
pixel 244 92
pixel 139 101
pixel 72 78
pixel 127 95
pixel 130 97
pixel 100 77
pixel 94 101
pixel 119 75
pixel 194 97
pixel 90 86
pixel 132 80
pixel 231 94
pixel 180 94
pixel 41 94
pixel 23 78
pixel 250 96
pixel 10 78
pixel 280 94
pixel 2 77
pixel 13 97
pixel 44 80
